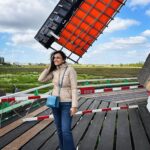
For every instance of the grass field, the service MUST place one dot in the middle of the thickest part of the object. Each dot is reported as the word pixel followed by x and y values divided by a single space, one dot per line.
pixel 25 77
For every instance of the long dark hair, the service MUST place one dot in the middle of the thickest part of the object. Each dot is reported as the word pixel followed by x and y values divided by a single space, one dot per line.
pixel 53 66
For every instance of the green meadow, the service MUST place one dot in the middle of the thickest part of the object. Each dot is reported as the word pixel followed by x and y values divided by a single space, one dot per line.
pixel 25 77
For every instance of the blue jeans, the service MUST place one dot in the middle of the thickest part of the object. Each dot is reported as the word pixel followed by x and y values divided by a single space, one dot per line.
pixel 63 122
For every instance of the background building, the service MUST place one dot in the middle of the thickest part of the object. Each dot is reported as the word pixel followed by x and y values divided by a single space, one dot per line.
pixel 1 60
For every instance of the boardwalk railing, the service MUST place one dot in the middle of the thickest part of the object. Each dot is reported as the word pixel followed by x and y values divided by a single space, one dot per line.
pixel 79 81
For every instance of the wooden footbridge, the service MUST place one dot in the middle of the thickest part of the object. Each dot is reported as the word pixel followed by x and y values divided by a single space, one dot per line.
pixel 127 129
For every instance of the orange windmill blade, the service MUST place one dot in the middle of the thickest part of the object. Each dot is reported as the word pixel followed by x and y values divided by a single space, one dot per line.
pixel 84 24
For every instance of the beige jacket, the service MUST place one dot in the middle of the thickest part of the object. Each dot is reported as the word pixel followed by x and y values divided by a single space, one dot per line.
pixel 68 92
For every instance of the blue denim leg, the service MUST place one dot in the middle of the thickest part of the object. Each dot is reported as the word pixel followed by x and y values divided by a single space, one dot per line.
pixel 68 143
pixel 57 119
pixel 63 122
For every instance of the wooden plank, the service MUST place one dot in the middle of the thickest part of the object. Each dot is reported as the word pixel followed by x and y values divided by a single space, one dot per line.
pixel 53 142
pixel 15 133
pixel 17 123
pixel 144 102
pixel 123 96
pixel 123 140
pixel 24 138
pixel 145 116
pixel 139 136
pixel 107 136
pixel 90 138
pixel 44 135
pixel 83 125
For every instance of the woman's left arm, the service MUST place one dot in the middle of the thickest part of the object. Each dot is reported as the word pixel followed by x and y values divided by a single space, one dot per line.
pixel 73 81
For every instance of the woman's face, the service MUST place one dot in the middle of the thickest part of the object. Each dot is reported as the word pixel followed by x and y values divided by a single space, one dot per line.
pixel 58 59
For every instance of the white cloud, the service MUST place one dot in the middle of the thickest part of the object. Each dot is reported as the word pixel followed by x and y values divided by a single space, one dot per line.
pixel 134 3
pixel 146 33
pixel 132 53
pixel 22 15
pixel 121 24
pixel 22 20
pixel 148 12
pixel 26 39
pixel 120 50
pixel 122 43
pixel 130 45
pixel 137 40
pixel 23 38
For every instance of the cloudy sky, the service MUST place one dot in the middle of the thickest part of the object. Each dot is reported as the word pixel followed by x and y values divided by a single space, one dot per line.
pixel 126 40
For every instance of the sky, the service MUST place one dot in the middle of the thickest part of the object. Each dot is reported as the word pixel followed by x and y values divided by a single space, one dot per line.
pixel 126 40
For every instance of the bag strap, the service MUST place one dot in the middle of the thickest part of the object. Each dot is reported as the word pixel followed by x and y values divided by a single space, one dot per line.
pixel 60 85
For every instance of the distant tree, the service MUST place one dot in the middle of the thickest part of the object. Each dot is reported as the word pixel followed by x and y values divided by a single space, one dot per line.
pixel 121 65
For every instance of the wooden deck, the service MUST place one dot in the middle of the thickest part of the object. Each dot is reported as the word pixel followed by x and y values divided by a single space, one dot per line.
pixel 113 130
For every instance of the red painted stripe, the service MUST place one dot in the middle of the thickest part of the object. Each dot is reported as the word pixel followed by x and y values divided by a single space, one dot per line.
pixel 140 86
pixel 125 88
pixel 108 89
pixel 42 117
pixel 87 111
pixel 148 92
pixel 34 97
pixel 106 109
pixel 4 99
pixel 87 90
pixel 124 107
pixel 8 99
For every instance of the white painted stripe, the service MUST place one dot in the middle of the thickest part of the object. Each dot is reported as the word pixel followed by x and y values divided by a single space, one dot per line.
pixel 133 106
pixel 79 112
pixel 51 116
pixel 115 108
pixel 17 99
pixel 133 87
pixel 96 90
pixel 44 96
pixel 29 119
pixel 100 90
pixel 97 110
pixel 116 88
pixel 54 35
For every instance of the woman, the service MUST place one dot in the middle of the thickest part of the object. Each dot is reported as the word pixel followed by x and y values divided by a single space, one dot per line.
pixel 68 97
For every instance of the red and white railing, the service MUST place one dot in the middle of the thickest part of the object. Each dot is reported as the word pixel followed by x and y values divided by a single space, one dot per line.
pixel 88 89
pixel 120 88
pixel 18 99
pixel 83 112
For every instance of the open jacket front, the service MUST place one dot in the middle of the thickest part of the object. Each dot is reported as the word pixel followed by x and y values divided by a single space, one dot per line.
pixel 68 91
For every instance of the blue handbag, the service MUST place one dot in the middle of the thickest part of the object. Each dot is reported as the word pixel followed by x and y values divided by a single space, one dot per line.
pixel 53 101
